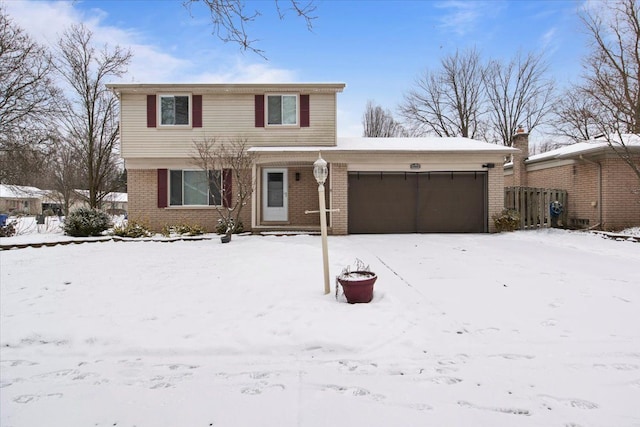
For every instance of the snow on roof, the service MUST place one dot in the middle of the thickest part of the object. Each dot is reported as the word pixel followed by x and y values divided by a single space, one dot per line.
pixel 20 192
pixel 583 148
pixel 424 144
pixel 116 197
pixel 113 197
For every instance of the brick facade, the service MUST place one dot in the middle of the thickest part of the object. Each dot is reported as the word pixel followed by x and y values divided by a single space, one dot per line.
pixel 303 195
pixel 495 184
pixel 521 142
pixel 620 194
pixel 602 190
pixel 142 186
pixel 339 198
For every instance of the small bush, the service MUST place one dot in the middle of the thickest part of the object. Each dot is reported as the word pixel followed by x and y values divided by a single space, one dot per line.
pixel 85 222
pixel 507 220
pixel 182 230
pixel 8 230
pixel 133 230
pixel 223 226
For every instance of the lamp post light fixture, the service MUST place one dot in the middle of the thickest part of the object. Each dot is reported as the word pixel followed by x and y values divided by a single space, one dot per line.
pixel 320 172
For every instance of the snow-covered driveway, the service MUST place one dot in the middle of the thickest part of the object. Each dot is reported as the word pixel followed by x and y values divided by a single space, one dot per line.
pixel 526 328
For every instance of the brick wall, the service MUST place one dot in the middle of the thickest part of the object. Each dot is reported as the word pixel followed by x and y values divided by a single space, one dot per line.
pixel 521 142
pixel 303 195
pixel 142 186
pixel 495 184
pixel 581 183
pixel 508 181
pixel 339 198
pixel 620 197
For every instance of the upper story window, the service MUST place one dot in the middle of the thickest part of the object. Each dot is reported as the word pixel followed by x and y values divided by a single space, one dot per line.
pixel 282 110
pixel 174 110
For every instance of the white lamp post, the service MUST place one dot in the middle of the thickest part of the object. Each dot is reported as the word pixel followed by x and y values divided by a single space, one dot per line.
pixel 320 172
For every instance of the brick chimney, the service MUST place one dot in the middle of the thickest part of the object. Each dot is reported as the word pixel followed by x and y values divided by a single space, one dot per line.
pixel 520 141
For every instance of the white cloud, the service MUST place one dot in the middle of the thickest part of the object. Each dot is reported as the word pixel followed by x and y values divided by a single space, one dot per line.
pixel 45 21
pixel 462 16
pixel 549 41
pixel 240 71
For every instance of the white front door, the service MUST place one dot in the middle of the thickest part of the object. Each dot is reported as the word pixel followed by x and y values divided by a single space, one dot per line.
pixel 274 194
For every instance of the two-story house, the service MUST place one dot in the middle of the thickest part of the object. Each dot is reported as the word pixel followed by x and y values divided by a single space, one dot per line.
pixel 375 185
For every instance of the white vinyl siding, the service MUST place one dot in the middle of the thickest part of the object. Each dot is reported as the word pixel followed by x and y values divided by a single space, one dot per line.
pixel 223 116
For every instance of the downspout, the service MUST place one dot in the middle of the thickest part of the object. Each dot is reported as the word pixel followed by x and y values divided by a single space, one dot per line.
pixel 599 190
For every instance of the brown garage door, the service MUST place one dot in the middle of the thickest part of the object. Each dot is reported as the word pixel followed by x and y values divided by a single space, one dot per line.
pixel 426 202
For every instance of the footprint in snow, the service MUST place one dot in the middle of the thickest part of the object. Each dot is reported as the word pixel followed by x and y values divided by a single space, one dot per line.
pixel 355 391
pixel 513 411
pixel 571 402
pixel 17 362
pixel 445 380
pixel 512 356
pixel 26 398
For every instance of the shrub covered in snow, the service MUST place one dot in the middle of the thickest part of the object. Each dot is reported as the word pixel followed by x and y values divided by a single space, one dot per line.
pixel 132 229
pixel 85 222
pixel 507 220
pixel 184 229
pixel 223 226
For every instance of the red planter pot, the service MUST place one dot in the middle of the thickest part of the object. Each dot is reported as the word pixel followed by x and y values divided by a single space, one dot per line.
pixel 358 286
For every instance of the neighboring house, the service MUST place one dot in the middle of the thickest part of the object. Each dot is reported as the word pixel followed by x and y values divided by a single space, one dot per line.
pixel 603 191
pixel 113 203
pixel 375 185
pixel 18 199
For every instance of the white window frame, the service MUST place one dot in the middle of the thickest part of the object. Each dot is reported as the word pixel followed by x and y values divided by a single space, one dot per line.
pixel 280 125
pixel 189 113
pixel 183 205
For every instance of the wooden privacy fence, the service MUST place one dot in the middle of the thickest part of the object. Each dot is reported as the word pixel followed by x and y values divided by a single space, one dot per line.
pixel 533 205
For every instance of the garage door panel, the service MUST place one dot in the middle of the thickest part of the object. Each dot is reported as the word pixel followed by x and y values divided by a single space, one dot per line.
pixel 427 202
pixel 451 203
pixel 379 203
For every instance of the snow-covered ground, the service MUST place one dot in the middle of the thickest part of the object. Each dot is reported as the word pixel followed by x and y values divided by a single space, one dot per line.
pixel 536 328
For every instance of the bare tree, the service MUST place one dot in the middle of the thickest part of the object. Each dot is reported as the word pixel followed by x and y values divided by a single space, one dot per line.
pixel 547 145
pixel 27 101
pixel 21 163
pixel 449 101
pixel 518 92
pixel 230 19
pixel 229 173
pixel 612 72
pixel 91 117
pixel 65 174
pixel 576 115
pixel 379 123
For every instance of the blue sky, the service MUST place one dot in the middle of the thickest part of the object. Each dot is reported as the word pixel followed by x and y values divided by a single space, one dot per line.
pixel 378 48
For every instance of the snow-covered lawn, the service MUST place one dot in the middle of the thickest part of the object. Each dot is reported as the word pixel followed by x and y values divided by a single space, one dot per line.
pixel 537 328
